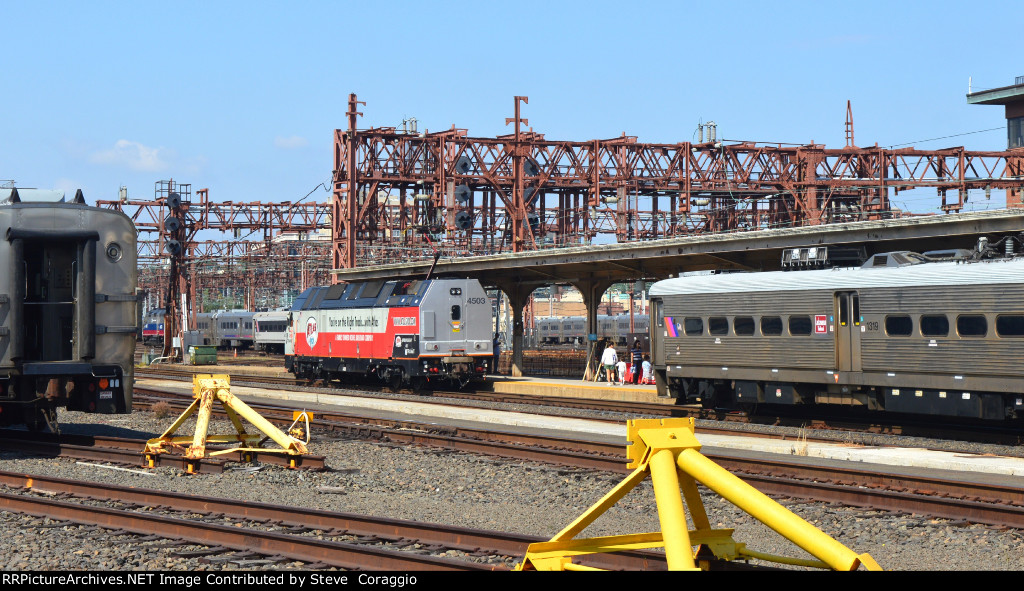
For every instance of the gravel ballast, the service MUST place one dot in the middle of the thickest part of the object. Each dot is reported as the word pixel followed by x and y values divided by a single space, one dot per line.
pixel 431 485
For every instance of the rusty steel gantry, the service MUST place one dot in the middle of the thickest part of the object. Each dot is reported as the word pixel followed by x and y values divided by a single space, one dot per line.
pixel 170 266
pixel 402 195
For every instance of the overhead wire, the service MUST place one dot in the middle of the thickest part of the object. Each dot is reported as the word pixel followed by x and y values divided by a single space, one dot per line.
pixel 945 137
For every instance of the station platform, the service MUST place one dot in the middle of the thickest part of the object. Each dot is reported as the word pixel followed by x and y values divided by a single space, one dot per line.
pixel 576 388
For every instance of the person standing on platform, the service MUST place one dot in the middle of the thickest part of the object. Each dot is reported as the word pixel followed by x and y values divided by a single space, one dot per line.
pixel 648 376
pixel 636 358
pixel 608 359
pixel 620 370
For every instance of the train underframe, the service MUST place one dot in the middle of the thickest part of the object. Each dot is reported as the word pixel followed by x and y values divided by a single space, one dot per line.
pixel 32 395
pixel 418 374
pixel 748 394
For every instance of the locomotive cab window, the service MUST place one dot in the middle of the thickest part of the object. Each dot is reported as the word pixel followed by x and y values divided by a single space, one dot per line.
pixel 693 326
pixel 718 325
pixel 771 326
pixel 934 325
pixel 971 325
pixel 743 325
pixel 899 325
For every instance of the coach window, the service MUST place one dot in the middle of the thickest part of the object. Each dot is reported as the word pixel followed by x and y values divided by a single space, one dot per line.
pixel 743 325
pixel 718 325
pixel 899 326
pixel 799 325
pixel 934 325
pixel 771 326
pixel 971 325
pixel 1010 325
pixel 693 326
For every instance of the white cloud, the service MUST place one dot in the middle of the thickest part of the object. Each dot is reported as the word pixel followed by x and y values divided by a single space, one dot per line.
pixel 134 156
pixel 290 143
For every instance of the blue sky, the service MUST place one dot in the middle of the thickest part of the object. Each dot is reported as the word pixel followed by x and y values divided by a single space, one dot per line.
pixel 243 97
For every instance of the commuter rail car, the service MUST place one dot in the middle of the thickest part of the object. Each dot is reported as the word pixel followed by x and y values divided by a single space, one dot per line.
pixel 901 334
pixel 417 333
pixel 153 327
pixel 227 329
pixel 271 330
pixel 572 329
pixel 68 316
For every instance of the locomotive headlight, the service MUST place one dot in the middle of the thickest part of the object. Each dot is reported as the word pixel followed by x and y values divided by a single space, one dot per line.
pixel 114 251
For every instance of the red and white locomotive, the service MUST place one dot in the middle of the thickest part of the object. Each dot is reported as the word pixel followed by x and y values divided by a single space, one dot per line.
pixel 402 332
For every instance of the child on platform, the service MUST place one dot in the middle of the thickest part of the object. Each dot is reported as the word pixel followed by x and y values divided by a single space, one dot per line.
pixel 620 369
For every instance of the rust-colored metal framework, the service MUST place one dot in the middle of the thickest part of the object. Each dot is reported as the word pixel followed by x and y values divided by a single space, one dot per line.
pixel 402 195
pixel 263 265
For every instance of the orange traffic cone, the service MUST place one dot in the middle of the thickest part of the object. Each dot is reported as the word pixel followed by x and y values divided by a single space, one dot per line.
pixel 236 352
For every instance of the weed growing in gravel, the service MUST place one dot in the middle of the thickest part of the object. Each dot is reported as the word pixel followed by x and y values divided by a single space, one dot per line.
pixel 800 449
pixel 161 410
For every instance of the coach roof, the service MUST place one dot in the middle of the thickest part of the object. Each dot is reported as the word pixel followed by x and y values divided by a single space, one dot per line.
pixel 993 272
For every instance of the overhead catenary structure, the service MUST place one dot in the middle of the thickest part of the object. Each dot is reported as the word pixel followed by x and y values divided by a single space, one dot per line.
pixel 174 261
pixel 402 195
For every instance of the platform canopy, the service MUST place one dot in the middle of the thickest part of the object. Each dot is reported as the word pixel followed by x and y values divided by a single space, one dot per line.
pixel 754 251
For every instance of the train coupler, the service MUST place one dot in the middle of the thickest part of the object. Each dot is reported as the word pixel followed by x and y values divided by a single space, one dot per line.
pixel 667 451
pixel 207 389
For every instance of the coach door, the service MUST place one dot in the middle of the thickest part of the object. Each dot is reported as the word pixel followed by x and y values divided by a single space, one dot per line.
pixel 455 317
pixel 54 285
pixel 847 327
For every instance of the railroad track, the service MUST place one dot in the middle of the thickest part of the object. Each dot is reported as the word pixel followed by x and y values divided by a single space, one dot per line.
pixel 128 452
pixel 345 541
pixel 950 498
pixel 814 418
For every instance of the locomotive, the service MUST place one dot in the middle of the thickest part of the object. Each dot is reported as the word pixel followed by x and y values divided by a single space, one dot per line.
pixel 905 333
pixel 68 315
pixel 416 333
pixel 153 327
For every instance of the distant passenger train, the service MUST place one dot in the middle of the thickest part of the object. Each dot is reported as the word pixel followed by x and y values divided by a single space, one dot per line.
pixel 68 315
pixel 271 330
pixel 902 333
pixel 227 328
pixel 414 333
pixel 153 327
pixel 572 329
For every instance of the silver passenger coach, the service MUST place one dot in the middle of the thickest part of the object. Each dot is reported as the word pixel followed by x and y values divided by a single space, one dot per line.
pixel 68 315
pixel 903 333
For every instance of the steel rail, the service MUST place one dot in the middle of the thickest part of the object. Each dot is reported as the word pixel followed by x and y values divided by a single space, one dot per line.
pixel 130 452
pixel 822 419
pixel 306 549
pixel 939 497
pixel 466 539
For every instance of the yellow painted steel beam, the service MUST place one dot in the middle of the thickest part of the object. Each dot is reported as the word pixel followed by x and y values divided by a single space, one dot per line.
pixel 667 450
pixel 207 389
pixel 671 515
pixel 761 507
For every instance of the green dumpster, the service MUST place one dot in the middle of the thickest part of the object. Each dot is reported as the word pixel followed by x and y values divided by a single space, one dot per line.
pixel 203 355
